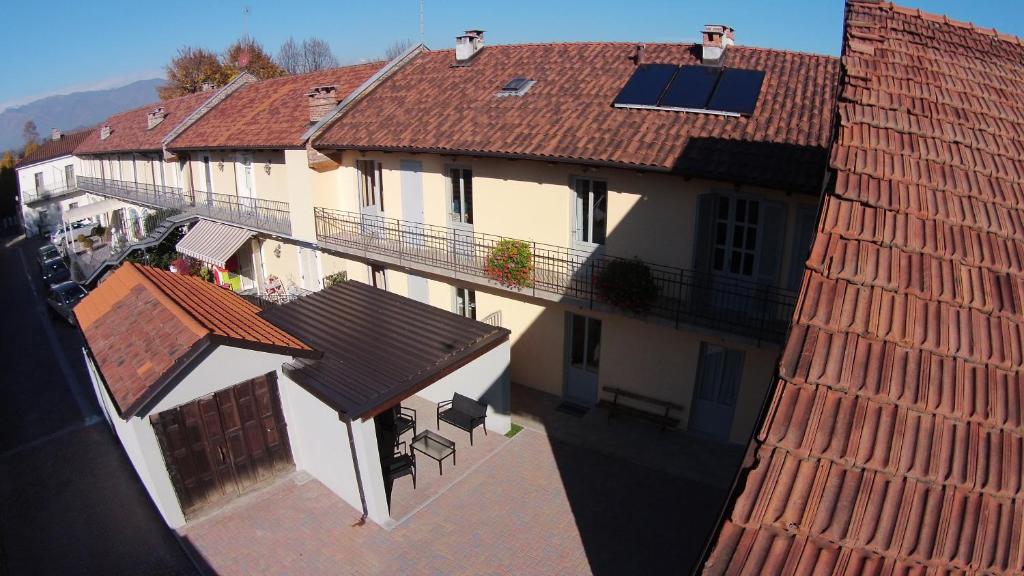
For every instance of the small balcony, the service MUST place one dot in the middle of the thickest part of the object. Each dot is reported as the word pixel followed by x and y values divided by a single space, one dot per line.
pixel 681 298
pixel 264 215
pixel 40 196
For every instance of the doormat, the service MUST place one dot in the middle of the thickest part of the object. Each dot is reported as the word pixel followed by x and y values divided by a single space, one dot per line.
pixel 572 409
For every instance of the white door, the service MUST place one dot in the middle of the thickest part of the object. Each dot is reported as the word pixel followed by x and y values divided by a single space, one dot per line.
pixel 584 359
pixel 244 183
pixel 309 267
pixel 717 386
pixel 371 198
pixel 589 227
pixel 460 211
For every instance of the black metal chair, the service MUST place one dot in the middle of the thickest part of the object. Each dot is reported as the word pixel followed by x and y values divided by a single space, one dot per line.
pixel 463 413
pixel 405 420
pixel 402 463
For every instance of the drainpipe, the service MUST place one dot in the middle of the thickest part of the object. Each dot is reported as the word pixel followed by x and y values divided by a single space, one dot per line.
pixel 355 464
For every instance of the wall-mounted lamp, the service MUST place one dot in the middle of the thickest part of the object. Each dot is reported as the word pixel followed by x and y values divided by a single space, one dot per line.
pixel 266 167
pixel 220 165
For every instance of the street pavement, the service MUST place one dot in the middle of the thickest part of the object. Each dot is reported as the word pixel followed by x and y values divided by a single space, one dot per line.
pixel 70 502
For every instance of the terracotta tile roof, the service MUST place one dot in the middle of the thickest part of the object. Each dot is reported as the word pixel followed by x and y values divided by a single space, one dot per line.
pixel 894 439
pixel 430 105
pixel 269 114
pixel 142 324
pixel 129 130
pixel 51 149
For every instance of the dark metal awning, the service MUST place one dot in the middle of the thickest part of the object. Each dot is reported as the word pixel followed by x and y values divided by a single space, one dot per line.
pixel 378 348
pixel 213 242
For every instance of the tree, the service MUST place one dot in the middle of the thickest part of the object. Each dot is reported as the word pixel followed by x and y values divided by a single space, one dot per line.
pixel 312 55
pixel 396 48
pixel 30 133
pixel 247 55
pixel 190 70
pixel 8 161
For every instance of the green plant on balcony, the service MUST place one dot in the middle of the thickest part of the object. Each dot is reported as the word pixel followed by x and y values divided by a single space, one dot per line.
pixel 85 242
pixel 336 278
pixel 510 263
pixel 627 284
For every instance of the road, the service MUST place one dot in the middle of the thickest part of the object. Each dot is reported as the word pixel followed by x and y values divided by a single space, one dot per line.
pixel 70 502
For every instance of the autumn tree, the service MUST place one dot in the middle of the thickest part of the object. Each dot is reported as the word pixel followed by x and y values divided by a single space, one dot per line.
pixel 247 55
pixel 190 70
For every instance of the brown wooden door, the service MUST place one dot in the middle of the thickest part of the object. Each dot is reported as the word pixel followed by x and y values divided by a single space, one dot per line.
pixel 218 446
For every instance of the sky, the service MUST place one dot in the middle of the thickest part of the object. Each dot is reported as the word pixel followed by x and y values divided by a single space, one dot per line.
pixel 58 47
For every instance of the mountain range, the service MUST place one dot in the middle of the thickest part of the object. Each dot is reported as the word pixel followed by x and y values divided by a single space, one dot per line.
pixel 71 111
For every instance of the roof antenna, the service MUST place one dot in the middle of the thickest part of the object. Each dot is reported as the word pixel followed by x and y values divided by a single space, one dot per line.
pixel 246 10
pixel 421 21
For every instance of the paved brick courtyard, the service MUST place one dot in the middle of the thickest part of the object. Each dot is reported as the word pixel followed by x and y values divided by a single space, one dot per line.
pixel 534 506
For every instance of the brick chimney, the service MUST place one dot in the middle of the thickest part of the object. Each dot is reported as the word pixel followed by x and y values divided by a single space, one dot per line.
pixel 321 99
pixel 155 117
pixel 715 39
pixel 468 45
pixel 105 132
pixel 55 134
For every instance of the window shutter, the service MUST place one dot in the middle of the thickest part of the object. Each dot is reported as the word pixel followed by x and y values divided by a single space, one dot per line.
pixel 804 233
pixel 773 234
pixel 704 239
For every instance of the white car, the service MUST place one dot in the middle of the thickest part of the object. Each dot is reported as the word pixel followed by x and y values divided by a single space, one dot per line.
pixel 74 229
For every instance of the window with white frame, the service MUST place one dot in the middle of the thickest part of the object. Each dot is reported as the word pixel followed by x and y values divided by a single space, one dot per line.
pixel 371 190
pixel 465 302
pixel 590 210
pixel 460 184
pixel 736 227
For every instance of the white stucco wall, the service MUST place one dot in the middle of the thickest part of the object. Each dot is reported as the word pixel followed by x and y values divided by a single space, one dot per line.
pixel 223 368
pixel 488 378
pixel 53 178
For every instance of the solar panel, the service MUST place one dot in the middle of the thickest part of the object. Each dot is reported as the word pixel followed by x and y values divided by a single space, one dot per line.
pixel 691 87
pixel 646 85
pixel 737 91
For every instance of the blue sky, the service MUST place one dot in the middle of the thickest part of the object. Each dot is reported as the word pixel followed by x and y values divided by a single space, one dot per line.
pixel 60 47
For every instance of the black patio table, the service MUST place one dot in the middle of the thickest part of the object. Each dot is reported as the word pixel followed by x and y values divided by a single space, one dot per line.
pixel 434 446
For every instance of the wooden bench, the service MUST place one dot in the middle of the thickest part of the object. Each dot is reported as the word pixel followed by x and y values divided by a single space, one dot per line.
pixel 665 419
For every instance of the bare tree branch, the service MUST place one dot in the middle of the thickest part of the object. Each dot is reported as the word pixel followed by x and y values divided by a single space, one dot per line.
pixel 396 48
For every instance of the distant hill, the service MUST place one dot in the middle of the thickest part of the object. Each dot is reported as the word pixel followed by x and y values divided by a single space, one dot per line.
pixel 75 110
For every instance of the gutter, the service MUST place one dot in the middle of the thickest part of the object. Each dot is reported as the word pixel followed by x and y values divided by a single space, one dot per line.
pixel 355 464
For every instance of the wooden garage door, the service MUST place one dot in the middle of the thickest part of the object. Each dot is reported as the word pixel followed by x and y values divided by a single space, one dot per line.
pixel 218 446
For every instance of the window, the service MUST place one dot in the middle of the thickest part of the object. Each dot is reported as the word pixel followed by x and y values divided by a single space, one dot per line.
pixel 72 205
pixel 735 233
pixel 39 181
pixel 69 175
pixel 371 189
pixel 460 182
pixel 590 212
pixel 465 302
pixel 378 277
pixel 586 343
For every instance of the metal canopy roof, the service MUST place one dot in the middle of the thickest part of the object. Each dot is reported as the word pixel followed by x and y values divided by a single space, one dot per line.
pixel 213 242
pixel 89 210
pixel 378 348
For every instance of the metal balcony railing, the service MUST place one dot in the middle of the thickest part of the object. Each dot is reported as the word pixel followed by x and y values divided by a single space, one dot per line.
pixel 747 308
pixel 49 193
pixel 266 215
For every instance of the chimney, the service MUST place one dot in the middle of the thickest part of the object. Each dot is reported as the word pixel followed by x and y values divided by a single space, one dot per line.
pixel 468 45
pixel 716 37
pixel 105 132
pixel 207 86
pixel 55 134
pixel 155 117
pixel 322 99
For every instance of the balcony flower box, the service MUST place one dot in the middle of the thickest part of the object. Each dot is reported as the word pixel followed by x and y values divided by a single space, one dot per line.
pixel 510 263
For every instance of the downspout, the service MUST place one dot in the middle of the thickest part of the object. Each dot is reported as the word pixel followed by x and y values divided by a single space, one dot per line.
pixel 359 476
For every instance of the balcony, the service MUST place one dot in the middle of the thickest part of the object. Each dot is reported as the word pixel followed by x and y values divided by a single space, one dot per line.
pixel 37 197
pixel 264 215
pixel 684 297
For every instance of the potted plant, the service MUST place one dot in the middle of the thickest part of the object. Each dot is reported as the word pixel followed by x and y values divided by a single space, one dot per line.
pixel 510 263
pixel 336 278
pixel 627 284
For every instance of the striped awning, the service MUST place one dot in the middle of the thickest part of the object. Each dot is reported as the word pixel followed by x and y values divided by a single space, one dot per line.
pixel 213 242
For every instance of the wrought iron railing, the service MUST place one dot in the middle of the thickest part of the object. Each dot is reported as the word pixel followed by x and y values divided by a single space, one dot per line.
pixel 267 215
pixel 49 193
pixel 264 300
pixel 494 319
pixel 753 309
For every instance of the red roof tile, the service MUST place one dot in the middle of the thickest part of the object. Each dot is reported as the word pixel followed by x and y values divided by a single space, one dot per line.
pixel 894 440
pixel 50 149
pixel 269 114
pixel 142 324
pixel 129 131
pixel 429 105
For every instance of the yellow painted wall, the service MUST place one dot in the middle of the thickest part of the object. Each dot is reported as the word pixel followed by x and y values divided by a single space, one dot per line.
pixel 282 260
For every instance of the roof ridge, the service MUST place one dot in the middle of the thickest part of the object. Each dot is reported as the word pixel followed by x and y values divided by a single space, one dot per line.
pixel 630 43
pixel 942 18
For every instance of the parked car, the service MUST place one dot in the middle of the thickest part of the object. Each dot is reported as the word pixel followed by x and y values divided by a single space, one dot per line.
pixel 46 252
pixel 62 300
pixel 55 271
pixel 75 229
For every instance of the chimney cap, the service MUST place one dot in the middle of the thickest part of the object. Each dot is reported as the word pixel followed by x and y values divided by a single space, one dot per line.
pixel 474 32
pixel 55 134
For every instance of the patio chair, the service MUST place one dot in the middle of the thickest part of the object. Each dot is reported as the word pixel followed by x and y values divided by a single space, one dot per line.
pixel 463 413
pixel 405 420
pixel 402 463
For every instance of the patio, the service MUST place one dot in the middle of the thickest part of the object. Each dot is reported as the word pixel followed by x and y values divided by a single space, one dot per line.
pixel 532 504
